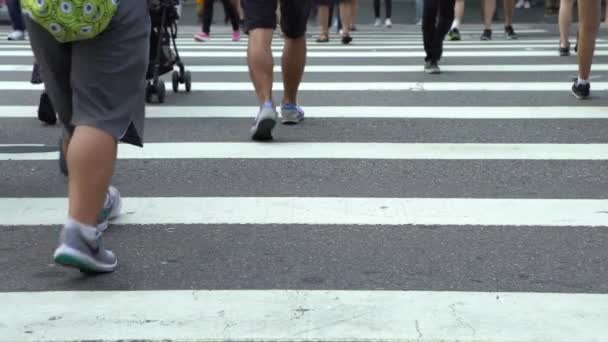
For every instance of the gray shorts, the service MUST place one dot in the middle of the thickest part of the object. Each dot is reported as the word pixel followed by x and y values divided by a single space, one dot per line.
pixel 99 82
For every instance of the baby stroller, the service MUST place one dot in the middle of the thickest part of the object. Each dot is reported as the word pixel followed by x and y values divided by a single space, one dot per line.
pixel 164 15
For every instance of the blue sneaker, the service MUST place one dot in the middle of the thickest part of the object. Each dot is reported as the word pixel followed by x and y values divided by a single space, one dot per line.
pixel 291 113
pixel 264 123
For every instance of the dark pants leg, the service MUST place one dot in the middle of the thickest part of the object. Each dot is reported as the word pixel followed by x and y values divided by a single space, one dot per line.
pixel 232 14
pixel 437 19
pixel 14 9
pixel 377 8
pixel 389 8
pixel 208 16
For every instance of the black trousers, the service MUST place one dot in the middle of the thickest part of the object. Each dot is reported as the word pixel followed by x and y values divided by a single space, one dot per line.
pixel 389 8
pixel 230 13
pixel 437 19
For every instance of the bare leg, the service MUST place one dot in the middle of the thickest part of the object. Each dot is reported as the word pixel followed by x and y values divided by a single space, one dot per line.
pixel 354 10
pixel 91 155
pixel 565 21
pixel 346 15
pixel 293 63
pixel 458 13
pixel 488 12
pixel 509 6
pixel 324 21
pixel 589 19
pixel 261 63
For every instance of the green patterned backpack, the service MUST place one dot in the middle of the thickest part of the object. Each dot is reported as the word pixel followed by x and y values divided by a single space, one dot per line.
pixel 71 20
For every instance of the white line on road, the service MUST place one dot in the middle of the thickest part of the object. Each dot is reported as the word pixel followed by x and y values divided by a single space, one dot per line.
pixel 282 315
pixel 374 68
pixel 325 211
pixel 157 112
pixel 349 54
pixel 195 46
pixel 366 86
pixel 401 151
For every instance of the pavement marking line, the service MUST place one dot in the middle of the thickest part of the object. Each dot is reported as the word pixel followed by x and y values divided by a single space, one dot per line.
pixel 350 48
pixel 302 315
pixel 348 54
pixel 350 150
pixel 373 68
pixel 366 86
pixel 362 112
pixel 324 211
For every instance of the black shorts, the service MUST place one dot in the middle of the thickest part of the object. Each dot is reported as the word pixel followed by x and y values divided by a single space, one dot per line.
pixel 261 14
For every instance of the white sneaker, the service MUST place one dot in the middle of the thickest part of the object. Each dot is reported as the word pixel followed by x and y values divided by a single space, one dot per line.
pixel 378 22
pixel 419 23
pixel 527 5
pixel 519 4
pixel 388 22
pixel 16 35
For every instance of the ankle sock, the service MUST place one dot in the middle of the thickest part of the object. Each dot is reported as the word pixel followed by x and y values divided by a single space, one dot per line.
pixel 580 81
pixel 89 232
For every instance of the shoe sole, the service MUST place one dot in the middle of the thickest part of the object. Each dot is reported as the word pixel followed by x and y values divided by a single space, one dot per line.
pixel 263 131
pixel 70 257
pixel 291 121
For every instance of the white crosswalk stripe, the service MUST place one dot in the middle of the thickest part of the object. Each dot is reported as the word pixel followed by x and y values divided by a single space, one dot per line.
pixel 360 73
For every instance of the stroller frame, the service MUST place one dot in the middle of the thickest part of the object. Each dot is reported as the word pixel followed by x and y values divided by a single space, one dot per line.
pixel 165 30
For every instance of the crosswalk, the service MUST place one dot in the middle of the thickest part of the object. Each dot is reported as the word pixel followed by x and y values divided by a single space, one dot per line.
pixel 469 206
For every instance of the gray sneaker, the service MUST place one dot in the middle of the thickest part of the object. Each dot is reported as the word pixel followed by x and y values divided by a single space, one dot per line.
pixel 291 114
pixel 84 250
pixel 111 209
pixel 431 67
pixel 264 123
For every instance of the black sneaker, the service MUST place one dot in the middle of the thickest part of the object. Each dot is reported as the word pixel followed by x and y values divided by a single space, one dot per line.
pixel 46 112
pixel 564 51
pixel 431 67
pixel 510 33
pixel 454 35
pixel 486 35
pixel 581 91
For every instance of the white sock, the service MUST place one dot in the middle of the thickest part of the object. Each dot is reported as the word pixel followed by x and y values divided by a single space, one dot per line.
pixel 456 24
pixel 582 81
pixel 89 232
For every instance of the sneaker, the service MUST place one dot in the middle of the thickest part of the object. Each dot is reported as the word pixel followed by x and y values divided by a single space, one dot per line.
pixel 16 35
pixel 82 248
pixel 236 36
pixel 454 34
pixel 431 67
pixel 564 51
pixel 111 209
pixel 419 22
pixel 46 112
pixel 202 37
pixel 527 5
pixel 377 22
pixel 291 114
pixel 388 23
pixel 36 77
pixel 581 91
pixel 347 39
pixel 264 123
pixel 520 4
pixel 486 35
pixel 510 33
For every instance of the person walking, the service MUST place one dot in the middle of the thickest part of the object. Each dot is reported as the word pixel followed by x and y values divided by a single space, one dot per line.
pixel 589 12
pixel 489 10
pixel 95 78
pixel 231 13
pixel 388 7
pixel 260 22
pixel 14 12
pixel 437 19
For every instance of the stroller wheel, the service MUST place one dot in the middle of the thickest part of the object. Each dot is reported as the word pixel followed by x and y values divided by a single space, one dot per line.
pixel 175 79
pixel 160 91
pixel 149 91
pixel 188 80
